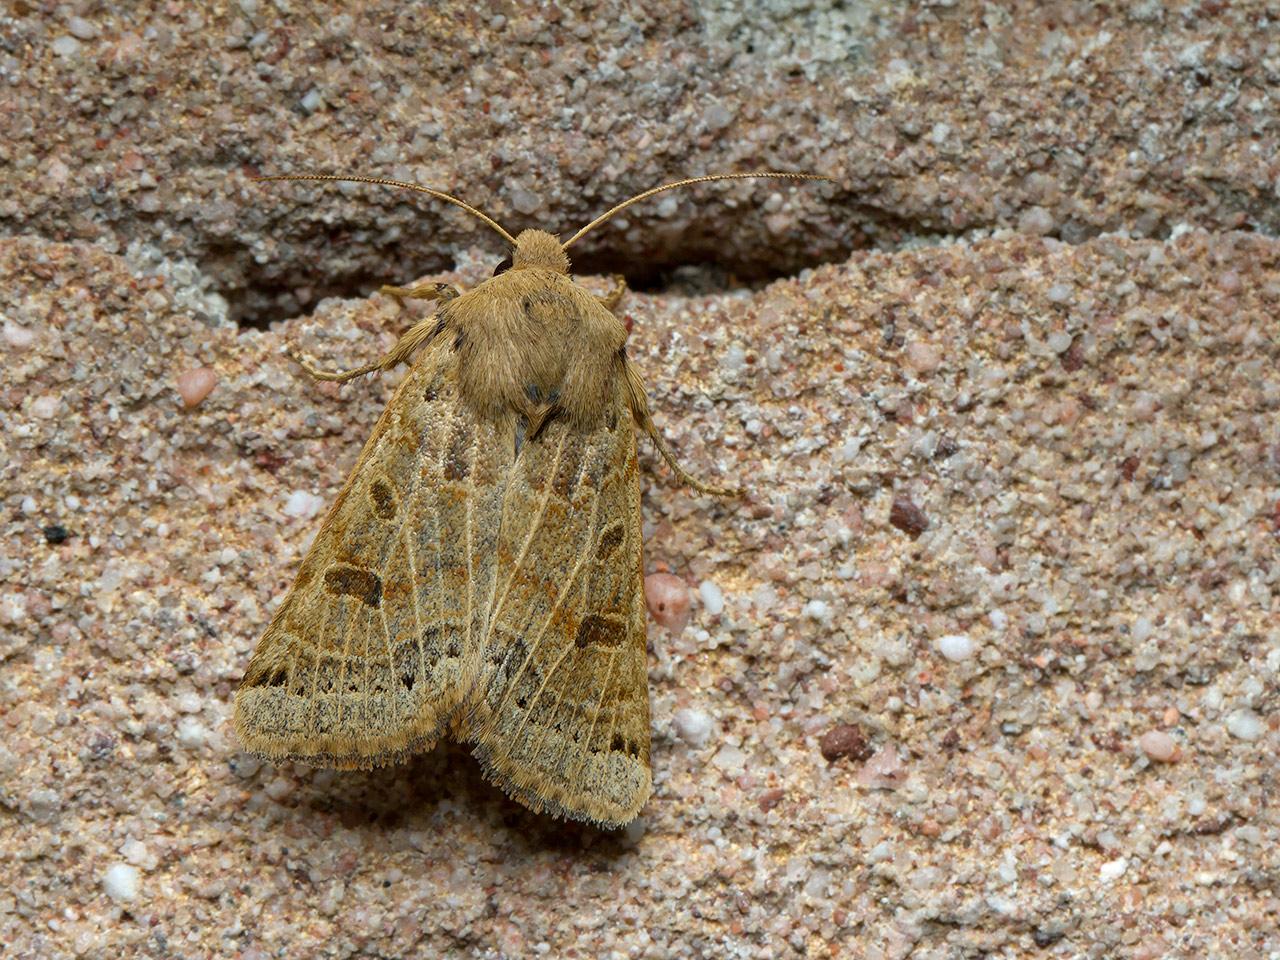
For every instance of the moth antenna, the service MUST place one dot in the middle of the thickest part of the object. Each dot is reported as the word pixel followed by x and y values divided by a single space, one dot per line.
pixel 684 183
pixel 395 183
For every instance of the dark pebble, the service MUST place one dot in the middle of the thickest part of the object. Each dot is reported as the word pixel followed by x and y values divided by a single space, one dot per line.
pixel 907 517
pixel 844 740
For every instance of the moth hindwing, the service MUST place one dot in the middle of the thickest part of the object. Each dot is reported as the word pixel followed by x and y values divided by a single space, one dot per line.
pixel 479 574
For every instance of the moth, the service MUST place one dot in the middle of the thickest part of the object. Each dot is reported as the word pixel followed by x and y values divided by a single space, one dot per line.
pixel 479 574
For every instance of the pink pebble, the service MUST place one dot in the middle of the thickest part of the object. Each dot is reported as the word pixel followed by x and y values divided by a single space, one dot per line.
pixel 923 357
pixel 1229 281
pixel 668 599
pixel 195 385
pixel 1159 746
pixel 884 771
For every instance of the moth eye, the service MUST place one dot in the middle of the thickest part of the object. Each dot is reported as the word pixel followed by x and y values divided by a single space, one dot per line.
pixel 502 267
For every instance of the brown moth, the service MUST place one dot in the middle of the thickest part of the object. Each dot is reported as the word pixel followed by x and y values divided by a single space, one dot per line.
pixel 479 574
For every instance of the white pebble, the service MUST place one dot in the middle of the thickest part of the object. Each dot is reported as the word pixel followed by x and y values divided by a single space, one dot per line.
pixel 1113 869
pixel 818 610
pixel 1059 293
pixel 44 407
pixel 304 505
pixel 525 201
pixel 136 852
pixel 730 760
pixel 1036 220
pixel 1244 725
pixel 848 451
pixel 954 646
pixel 192 734
pixel 712 598
pixel 189 702
pixel 82 28
pixel 734 358
pixel 65 46
pixel 717 117
pixel 43 804
pixel 692 726
pixel 245 765
pixel 121 882
pixel 18 337
pixel 1060 341
pixel 279 788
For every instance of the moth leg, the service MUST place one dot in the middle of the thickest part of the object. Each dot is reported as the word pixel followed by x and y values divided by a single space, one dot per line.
pixel 409 341
pixel 639 404
pixel 424 291
pixel 614 296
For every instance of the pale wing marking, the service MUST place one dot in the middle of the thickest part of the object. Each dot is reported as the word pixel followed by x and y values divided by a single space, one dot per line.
pixel 413 588
pixel 471 569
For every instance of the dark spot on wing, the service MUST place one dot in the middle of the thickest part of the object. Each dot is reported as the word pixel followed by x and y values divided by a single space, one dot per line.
pixel 620 744
pixel 354 582
pixel 566 478
pixel 609 540
pixel 384 500
pixel 457 462
pixel 595 631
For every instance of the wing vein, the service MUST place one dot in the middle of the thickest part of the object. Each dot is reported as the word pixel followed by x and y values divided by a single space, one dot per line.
pixel 534 526
pixel 413 588
pixel 572 581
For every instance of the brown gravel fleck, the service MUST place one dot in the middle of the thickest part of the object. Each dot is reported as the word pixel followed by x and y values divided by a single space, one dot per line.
pixel 907 517
pixel 770 799
pixel 844 740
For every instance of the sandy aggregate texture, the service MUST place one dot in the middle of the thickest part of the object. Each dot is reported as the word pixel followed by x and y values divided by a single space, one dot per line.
pixel 986 664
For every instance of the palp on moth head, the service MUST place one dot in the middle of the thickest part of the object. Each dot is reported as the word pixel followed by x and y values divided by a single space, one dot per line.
pixel 567 345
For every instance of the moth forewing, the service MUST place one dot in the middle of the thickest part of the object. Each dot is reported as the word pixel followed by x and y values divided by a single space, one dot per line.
pixel 364 660
pixel 480 571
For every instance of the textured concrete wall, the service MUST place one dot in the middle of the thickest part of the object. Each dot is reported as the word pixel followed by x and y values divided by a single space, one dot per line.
pixel 985 664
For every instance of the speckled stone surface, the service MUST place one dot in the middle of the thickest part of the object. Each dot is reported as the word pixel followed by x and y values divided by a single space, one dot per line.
pixel 1061 119
pixel 986 664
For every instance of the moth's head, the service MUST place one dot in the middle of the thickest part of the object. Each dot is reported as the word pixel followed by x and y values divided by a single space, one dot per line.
pixel 536 248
